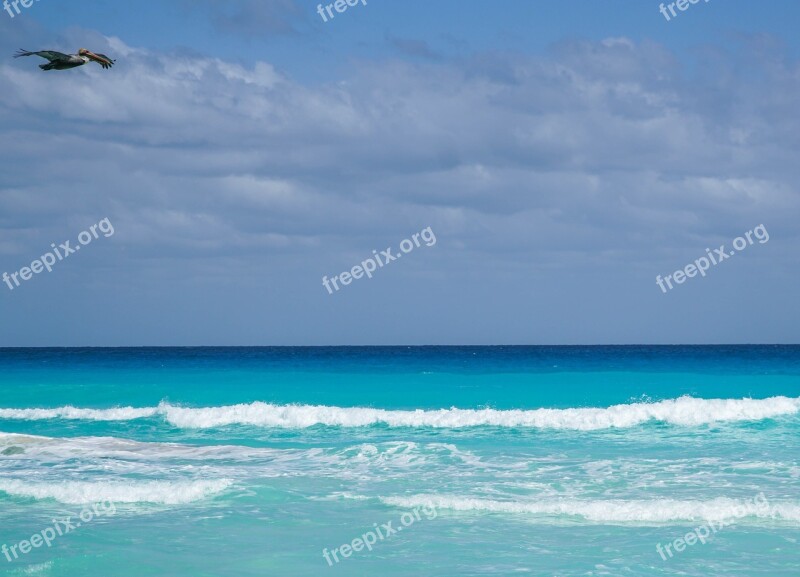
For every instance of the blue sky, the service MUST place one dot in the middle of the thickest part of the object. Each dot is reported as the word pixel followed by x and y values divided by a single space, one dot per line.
pixel 563 153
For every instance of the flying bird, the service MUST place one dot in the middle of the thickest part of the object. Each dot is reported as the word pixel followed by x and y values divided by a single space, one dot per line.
pixel 61 61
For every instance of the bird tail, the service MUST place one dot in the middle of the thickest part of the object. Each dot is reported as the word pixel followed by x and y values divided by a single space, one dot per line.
pixel 22 52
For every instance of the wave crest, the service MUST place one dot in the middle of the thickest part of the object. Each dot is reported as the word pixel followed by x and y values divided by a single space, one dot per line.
pixel 684 411
pixel 74 413
pixel 612 511
pixel 156 492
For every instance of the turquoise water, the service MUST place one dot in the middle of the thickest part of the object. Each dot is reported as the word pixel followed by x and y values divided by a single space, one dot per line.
pixel 490 460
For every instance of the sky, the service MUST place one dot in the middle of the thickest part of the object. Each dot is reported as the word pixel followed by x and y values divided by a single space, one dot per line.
pixel 564 155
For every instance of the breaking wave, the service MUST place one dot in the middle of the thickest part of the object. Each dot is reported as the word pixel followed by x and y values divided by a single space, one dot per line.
pixel 74 413
pixel 615 511
pixel 683 411
pixel 156 492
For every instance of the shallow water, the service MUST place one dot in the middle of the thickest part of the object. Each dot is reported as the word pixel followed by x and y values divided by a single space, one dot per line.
pixel 484 460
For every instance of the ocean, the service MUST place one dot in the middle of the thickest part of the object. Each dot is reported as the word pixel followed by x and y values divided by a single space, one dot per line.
pixel 395 461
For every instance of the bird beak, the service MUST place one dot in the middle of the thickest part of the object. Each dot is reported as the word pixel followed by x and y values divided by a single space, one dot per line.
pixel 104 62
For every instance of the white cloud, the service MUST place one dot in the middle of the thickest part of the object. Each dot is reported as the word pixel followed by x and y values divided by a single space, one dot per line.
pixel 598 147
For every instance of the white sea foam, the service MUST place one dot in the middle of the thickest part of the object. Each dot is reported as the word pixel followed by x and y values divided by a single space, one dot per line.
pixel 78 492
pixel 38 568
pixel 124 456
pixel 129 450
pixel 74 413
pixel 684 411
pixel 18 439
pixel 655 511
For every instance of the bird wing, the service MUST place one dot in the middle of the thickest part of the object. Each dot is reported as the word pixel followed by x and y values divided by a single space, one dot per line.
pixel 103 60
pixel 50 55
